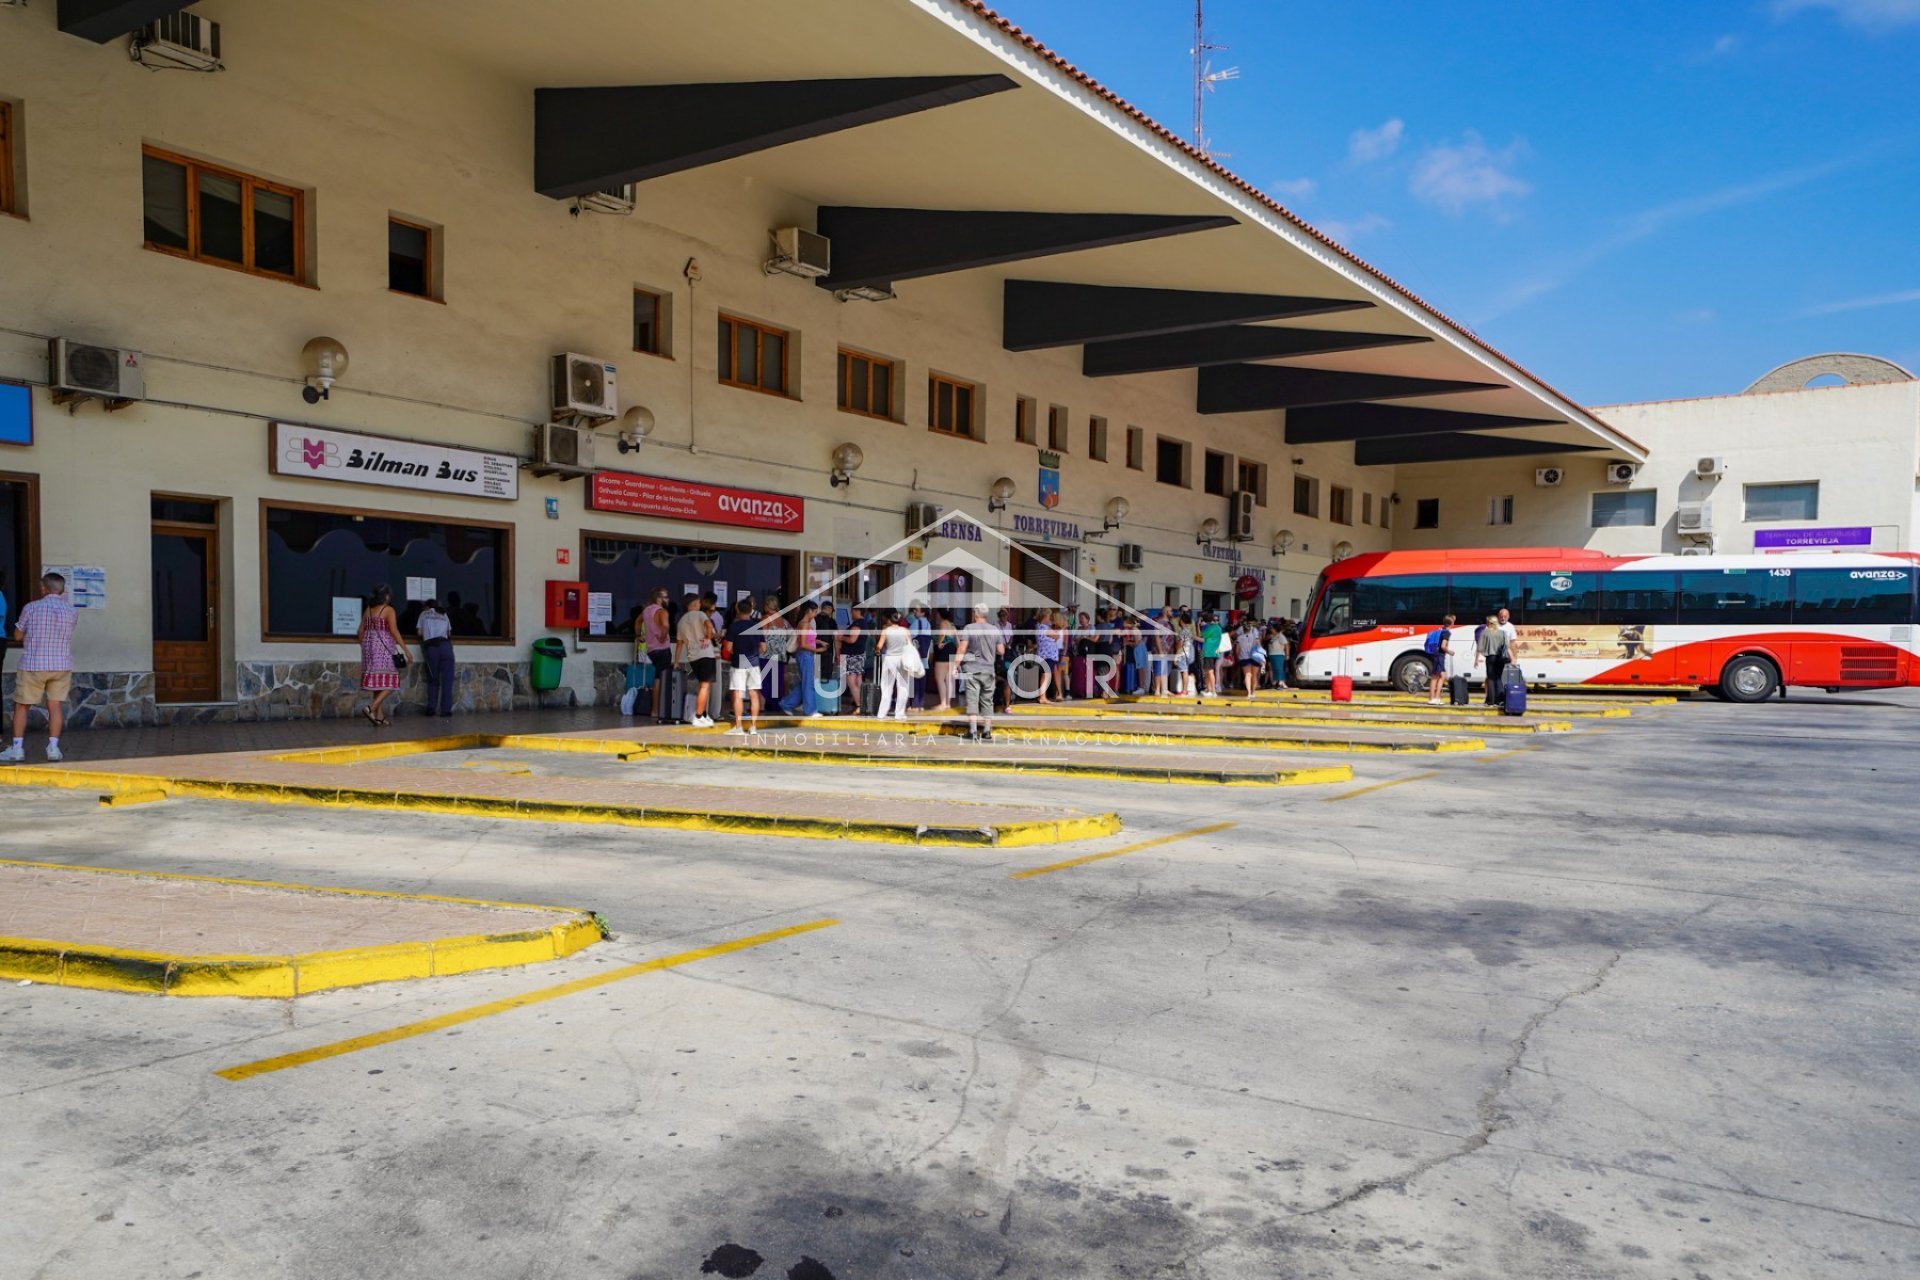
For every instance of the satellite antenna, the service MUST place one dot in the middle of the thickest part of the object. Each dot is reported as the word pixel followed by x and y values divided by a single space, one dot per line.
pixel 1204 79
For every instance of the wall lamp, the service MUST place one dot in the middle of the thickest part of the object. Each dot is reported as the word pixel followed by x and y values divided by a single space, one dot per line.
pixel 636 424
pixel 998 495
pixel 846 460
pixel 1281 541
pixel 325 360
pixel 1117 509
pixel 1341 550
pixel 1209 532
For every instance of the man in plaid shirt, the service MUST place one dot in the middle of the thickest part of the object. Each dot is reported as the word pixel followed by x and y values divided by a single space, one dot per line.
pixel 45 633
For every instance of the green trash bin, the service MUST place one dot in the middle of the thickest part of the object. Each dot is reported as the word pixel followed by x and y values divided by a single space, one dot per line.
pixel 543 671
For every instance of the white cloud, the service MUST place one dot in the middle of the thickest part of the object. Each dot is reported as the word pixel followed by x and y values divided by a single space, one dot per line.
pixel 1369 145
pixel 1698 315
pixel 1344 233
pixel 1651 222
pixel 1862 304
pixel 1724 46
pixel 1868 15
pixel 1456 176
pixel 1295 188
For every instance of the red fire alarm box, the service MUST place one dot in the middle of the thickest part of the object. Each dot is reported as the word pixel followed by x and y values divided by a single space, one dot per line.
pixel 567 604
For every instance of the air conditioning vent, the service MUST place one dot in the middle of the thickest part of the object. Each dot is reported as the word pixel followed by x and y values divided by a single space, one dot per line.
pixel 1240 512
pixel 1621 472
pixel 922 517
pixel 584 387
pixel 562 449
pixel 180 41
pixel 615 200
pixel 1548 477
pixel 800 252
pixel 1696 519
pixel 1710 468
pixel 1132 555
pixel 79 370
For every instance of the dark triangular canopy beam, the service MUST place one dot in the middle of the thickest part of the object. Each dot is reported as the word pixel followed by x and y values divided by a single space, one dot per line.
pixel 1246 388
pixel 1380 421
pixel 873 248
pixel 590 139
pixel 1040 313
pixel 1229 345
pixel 104 20
pixel 1460 446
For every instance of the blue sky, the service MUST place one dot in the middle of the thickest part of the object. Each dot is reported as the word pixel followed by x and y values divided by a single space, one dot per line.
pixel 1636 200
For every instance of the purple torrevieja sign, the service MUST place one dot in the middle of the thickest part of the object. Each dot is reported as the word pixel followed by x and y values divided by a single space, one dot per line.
pixel 1801 539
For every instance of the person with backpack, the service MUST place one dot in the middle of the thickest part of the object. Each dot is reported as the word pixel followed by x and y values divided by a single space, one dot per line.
pixel 1439 659
pixel 1491 647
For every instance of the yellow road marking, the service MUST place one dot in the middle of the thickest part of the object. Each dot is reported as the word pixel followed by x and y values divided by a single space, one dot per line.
pixel 1115 853
pixel 1502 755
pixel 321 1053
pixel 1382 786
pixel 115 800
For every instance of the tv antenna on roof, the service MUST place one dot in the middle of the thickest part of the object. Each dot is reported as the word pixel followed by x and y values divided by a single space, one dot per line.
pixel 1204 79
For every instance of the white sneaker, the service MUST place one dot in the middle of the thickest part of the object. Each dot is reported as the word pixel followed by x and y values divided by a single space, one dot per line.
pixel 735 732
pixel 53 753
pixel 13 755
pixel 703 722
pixel 753 733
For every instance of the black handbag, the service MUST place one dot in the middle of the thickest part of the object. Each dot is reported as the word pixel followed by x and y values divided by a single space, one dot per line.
pixel 399 659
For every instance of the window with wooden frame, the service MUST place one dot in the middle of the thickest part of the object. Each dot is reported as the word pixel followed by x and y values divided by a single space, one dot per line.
pixel 1214 479
pixel 950 405
pixel 1386 511
pixel 1366 508
pixel 1340 504
pixel 1057 429
pixel 222 216
pixel 8 201
pixel 649 322
pixel 1253 479
pixel 1026 420
pixel 1306 496
pixel 866 384
pixel 1136 448
pixel 413 258
pixel 1172 461
pixel 753 355
pixel 1097 438
pixel 1426 513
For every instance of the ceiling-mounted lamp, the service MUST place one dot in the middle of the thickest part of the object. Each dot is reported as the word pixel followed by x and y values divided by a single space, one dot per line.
pixel 636 424
pixel 326 360
pixel 1208 533
pixel 846 460
pixel 1117 509
pixel 1281 541
pixel 999 494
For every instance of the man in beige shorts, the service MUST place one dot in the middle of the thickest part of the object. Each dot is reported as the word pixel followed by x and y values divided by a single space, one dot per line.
pixel 45 633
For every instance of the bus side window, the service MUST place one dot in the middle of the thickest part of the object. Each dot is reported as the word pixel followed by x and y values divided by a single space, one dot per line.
pixel 1857 596
pixel 1645 599
pixel 1336 610
pixel 1475 596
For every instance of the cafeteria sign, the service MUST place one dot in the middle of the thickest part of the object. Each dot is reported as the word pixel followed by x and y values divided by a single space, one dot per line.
pixel 641 495
pixel 321 453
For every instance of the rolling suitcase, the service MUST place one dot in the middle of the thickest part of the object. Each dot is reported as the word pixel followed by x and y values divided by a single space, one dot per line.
pixel 1513 692
pixel 676 700
pixel 1459 691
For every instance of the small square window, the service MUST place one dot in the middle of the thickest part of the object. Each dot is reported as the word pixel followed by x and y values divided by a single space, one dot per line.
pixel 1097 439
pixel 10 201
pixel 1500 510
pixel 1170 462
pixel 753 355
pixel 1057 428
pixel 1215 480
pixel 1426 513
pixel 1306 496
pixel 650 322
pixel 1366 508
pixel 866 384
pixel 950 405
pixel 1631 508
pixel 1026 420
pixel 1797 501
pixel 1386 511
pixel 1137 448
pixel 410 257
pixel 1340 504
pixel 1252 477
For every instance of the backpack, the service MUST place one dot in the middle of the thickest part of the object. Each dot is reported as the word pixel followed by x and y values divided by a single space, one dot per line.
pixel 1434 639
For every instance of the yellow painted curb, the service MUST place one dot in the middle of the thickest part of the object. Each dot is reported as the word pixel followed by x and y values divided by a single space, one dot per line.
pixel 1365 720
pixel 1371 706
pixel 117 800
pixel 1120 737
pixel 324 796
pixel 103 968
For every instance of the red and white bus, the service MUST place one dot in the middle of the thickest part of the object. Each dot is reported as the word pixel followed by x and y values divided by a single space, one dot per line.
pixel 1740 627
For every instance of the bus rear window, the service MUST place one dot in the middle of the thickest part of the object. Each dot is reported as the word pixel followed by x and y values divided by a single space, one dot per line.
pixel 1836 596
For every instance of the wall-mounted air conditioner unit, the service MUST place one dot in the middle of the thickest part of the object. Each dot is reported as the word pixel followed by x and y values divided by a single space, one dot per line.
pixel 562 449
pixel 179 41
pixel 1622 472
pixel 1698 549
pixel 1710 468
pixel 583 386
pixel 79 371
pixel 800 252
pixel 615 200
pixel 1696 520
pixel 1548 477
pixel 922 519
pixel 1132 555
pixel 1240 516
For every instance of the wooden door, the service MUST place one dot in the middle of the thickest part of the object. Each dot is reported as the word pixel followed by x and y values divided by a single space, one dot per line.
pixel 186 599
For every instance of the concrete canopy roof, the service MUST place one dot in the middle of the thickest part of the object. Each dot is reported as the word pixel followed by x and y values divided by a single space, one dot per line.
pixel 1058 143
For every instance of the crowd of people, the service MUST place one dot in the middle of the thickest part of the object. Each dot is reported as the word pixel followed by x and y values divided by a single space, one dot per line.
pixel 810 660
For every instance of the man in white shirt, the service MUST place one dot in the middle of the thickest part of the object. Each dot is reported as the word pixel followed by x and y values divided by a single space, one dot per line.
pixel 695 649
pixel 436 647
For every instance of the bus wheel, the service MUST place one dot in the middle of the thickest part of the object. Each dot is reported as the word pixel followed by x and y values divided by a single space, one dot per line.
pixel 1411 673
pixel 1749 680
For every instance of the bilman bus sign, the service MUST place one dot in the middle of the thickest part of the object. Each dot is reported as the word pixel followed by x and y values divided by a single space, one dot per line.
pixel 321 453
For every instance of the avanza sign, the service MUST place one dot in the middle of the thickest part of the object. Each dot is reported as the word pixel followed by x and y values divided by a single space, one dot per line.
pixel 321 453
pixel 639 495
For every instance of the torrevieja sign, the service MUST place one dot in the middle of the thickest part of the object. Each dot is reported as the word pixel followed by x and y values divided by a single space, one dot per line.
pixel 321 453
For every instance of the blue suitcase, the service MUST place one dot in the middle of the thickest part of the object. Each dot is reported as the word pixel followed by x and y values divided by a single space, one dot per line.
pixel 1513 692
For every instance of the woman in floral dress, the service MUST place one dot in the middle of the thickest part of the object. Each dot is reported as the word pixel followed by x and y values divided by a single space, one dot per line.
pixel 380 639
